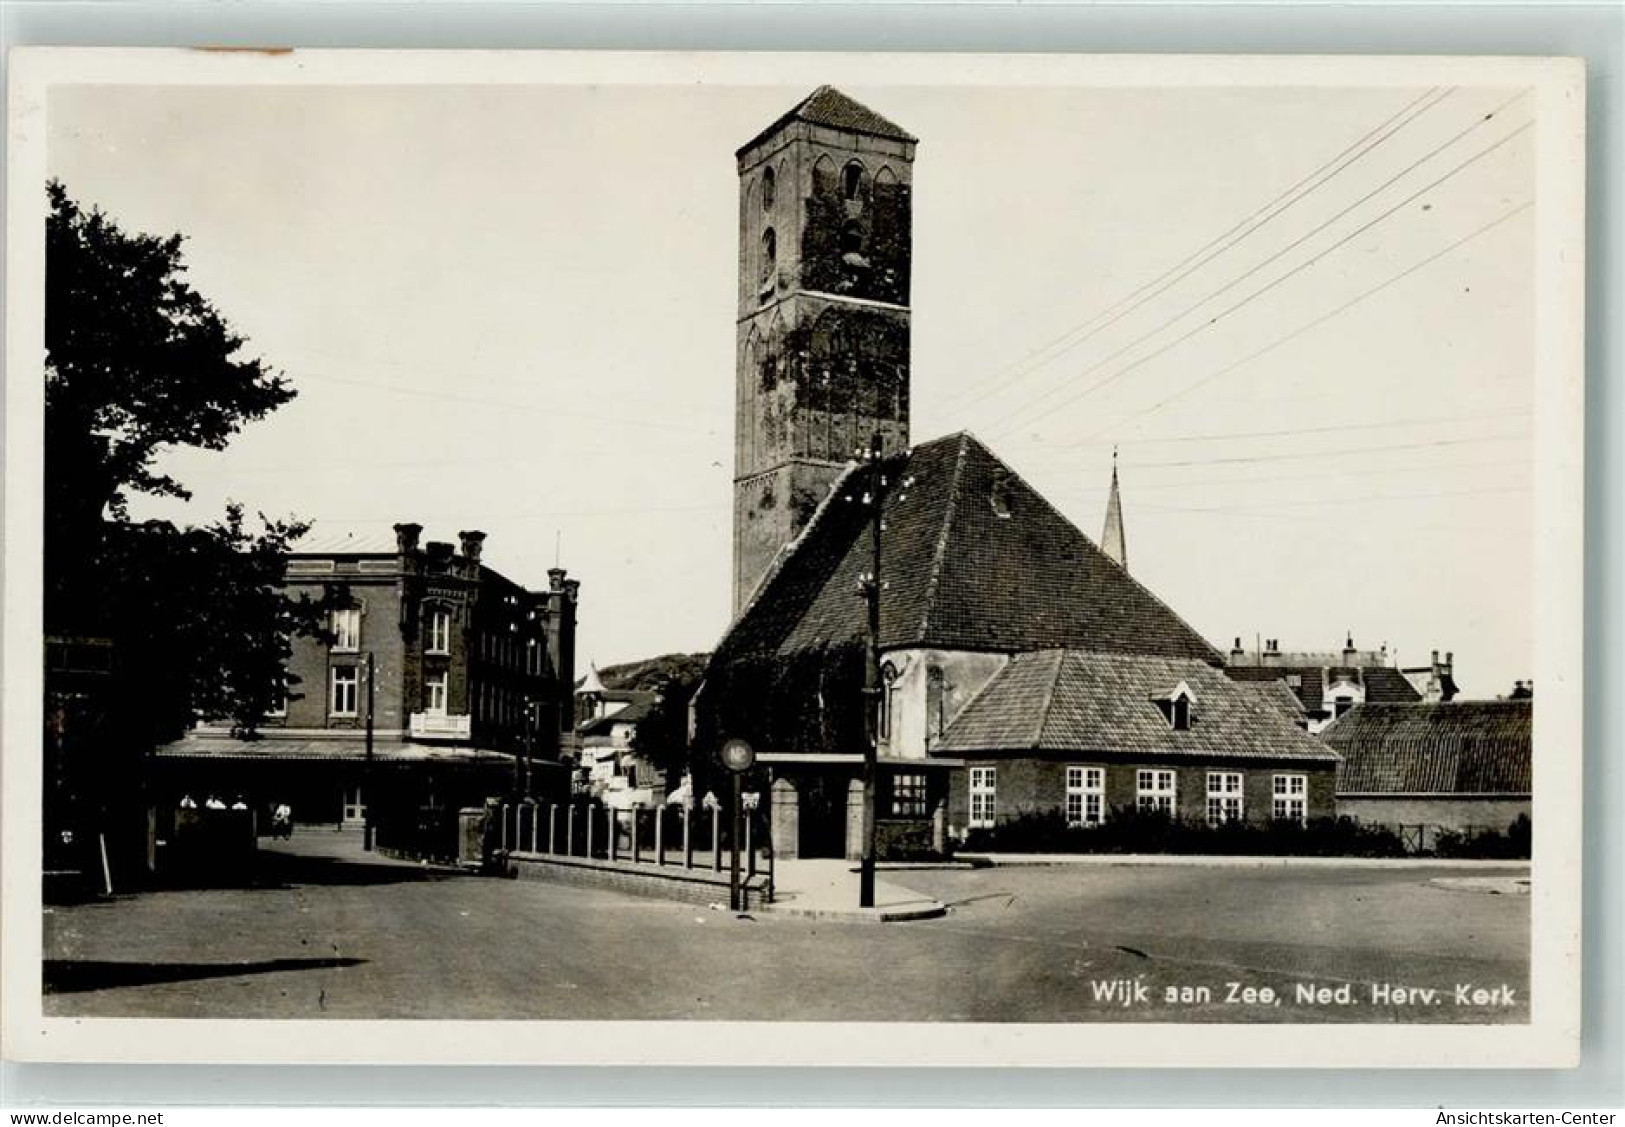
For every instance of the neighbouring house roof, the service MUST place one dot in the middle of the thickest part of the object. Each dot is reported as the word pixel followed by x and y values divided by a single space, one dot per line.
pixel 336 540
pixel 633 713
pixel 271 749
pixel 591 683
pixel 1073 701
pixel 973 558
pixel 828 106
pixel 1383 684
pixel 1459 747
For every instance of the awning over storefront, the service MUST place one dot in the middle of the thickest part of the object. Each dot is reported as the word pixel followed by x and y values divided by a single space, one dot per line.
pixel 271 749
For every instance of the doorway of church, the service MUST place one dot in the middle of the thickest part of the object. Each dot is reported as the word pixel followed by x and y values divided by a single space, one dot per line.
pixel 823 815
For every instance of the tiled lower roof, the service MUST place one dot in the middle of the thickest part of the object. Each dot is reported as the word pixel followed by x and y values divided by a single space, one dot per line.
pixel 1067 700
pixel 1460 747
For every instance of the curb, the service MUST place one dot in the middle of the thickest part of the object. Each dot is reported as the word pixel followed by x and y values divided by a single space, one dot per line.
pixel 929 910
pixel 1174 860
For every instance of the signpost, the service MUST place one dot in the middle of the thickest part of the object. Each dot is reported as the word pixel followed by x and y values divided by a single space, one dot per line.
pixel 737 757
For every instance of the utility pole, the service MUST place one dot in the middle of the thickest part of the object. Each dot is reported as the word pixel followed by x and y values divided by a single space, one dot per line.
pixel 367 796
pixel 872 686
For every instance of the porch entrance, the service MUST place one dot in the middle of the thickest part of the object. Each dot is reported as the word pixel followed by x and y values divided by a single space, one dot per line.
pixel 823 815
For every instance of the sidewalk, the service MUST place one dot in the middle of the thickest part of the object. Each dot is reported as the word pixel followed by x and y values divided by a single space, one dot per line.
pixel 828 889
pixel 1198 860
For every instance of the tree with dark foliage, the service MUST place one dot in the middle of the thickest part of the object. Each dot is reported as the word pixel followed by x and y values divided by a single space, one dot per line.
pixel 138 362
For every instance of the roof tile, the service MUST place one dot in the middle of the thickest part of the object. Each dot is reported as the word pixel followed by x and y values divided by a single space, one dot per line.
pixel 1102 703
pixel 1460 747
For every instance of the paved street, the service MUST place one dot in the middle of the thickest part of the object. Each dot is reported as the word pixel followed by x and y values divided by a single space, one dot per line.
pixel 327 930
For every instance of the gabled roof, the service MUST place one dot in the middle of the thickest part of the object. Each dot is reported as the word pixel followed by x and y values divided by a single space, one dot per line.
pixel 828 106
pixel 1463 747
pixel 1389 686
pixel 973 558
pixel 1068 701
pixel 633 713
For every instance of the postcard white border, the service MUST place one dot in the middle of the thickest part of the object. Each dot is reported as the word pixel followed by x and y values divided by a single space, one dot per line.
pixel 1551 1039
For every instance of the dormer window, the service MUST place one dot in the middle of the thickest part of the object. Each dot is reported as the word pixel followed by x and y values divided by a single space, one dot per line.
pixel 1176 707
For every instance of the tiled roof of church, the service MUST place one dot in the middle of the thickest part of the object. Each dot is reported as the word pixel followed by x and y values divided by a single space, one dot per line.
pixel 973 558
pixel 828 106
pixel 1064 700
pixel 1462 747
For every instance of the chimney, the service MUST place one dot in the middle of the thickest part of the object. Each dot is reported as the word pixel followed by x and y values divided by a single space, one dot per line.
pixel 472 541
pixel 1350 654
pixel 406 537
pixel 437 550
pixel 1237 653
pixel 1272 652
pixel 561 644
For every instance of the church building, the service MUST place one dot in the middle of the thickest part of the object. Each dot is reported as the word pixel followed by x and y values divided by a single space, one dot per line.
pixel 1023 670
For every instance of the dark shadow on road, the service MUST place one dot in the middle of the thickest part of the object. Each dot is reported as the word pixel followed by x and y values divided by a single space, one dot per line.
pixel 71 976
pixel 273 869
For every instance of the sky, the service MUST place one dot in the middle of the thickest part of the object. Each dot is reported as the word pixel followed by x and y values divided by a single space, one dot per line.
pixel 1304 318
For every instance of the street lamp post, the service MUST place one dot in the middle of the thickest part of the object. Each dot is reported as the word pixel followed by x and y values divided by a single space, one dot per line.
pixel 872 687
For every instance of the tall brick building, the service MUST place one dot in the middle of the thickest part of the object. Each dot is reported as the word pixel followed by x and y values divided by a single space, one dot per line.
pixel 1024 669
pixel 471 677
pixel 823 360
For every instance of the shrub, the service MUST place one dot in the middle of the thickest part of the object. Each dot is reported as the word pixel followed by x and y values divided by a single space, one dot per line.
pixel 1487 844
pixel 1128 830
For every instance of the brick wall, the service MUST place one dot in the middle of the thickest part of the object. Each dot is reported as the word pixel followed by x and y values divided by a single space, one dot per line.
pixel 1445 811
pixel 688 886
pixel 1032 785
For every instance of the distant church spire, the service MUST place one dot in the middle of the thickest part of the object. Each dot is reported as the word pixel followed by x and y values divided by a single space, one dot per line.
pixel 1112 540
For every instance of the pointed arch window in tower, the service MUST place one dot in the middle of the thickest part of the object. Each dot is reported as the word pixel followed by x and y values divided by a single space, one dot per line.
pixel 851 180
pixel 770 259
pixel 769 188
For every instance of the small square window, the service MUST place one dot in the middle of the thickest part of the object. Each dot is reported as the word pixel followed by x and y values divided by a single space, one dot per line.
pixel 347 629
pixel 908 796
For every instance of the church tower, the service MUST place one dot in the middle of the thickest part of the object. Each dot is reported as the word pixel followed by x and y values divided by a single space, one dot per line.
pixel 825 225
pixel 1112 540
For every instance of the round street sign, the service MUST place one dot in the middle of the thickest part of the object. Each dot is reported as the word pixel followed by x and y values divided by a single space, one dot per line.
pixel 737 755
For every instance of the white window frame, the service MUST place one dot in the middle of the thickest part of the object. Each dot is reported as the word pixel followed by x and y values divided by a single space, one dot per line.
pixel 1290 801
pixel 347 630
pixel 1157 788
pixel 1085 796
pixel 344 687
pixel 1225 797
pixel 436 692
pixel 439 631
pixel 279 710
pixel 984 797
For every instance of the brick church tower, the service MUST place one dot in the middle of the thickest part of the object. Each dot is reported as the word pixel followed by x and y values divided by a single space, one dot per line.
pixel 825 225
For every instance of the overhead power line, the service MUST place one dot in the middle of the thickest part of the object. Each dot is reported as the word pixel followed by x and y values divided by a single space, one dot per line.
pixel 1246 458
pixel 1325 317
pixel 1291 432
pixel 1342 474
pixel 1000 425
pixel 1214 247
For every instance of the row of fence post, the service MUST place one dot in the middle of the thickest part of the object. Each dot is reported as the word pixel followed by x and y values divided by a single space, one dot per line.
pixel 535 827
